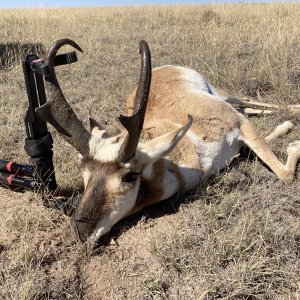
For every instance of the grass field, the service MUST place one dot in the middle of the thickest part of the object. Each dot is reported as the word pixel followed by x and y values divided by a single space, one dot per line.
pixel 236 237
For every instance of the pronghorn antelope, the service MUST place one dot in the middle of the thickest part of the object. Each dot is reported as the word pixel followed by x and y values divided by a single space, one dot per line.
pixel 181 130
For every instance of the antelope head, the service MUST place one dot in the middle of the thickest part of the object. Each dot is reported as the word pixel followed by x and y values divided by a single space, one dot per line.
pixel 115 169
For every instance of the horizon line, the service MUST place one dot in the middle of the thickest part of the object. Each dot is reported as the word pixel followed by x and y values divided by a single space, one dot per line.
pixel 206 2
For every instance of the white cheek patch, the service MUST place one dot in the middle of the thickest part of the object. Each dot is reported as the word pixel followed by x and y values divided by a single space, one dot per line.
pixel 148 171
pixel 105 150
pixel 122 208
pixel 191 176
pixel 170 185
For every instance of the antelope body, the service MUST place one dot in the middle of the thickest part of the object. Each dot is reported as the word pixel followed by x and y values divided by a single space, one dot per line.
pixel 181 131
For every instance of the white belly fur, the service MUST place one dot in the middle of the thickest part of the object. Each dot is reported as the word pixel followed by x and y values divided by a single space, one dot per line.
pixel 215 156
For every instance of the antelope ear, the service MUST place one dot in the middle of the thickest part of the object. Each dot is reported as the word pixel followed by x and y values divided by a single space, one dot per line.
pixel 162 145
pixel 97 129
pixel 94 123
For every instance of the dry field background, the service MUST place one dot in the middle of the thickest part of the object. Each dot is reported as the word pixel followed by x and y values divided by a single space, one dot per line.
pixel 236 237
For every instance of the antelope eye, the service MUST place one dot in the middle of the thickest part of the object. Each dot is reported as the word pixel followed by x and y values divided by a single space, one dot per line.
pixel 130 177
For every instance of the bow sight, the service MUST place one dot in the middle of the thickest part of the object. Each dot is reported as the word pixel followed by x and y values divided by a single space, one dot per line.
pixel 39 174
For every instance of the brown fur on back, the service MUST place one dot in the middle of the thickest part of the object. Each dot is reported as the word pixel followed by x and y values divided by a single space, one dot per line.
pixel 171 99
pixel 170 102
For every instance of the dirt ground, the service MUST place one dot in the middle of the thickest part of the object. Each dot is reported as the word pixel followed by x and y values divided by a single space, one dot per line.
pixel 112 270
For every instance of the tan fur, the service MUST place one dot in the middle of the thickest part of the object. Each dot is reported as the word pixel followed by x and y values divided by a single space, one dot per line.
pixel 260 147
pixel 174 168
pixel 279 131
pixel 151 190
pixel 174 154
pixel 169 99
pixel 185 154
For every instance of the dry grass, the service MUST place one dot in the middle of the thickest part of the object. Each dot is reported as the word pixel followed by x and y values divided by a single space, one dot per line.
pixel 237 237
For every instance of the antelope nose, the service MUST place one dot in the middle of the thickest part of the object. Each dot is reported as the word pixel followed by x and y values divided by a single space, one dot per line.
pixel 82 227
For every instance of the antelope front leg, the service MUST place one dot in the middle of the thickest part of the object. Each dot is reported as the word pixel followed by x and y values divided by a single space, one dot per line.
pixel 261 148
pixel 279 131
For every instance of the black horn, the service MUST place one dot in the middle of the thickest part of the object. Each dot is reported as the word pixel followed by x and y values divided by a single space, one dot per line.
pixel 134 123
pixel 57 111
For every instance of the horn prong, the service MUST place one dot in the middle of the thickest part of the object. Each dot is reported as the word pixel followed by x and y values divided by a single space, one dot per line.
pixel 134 123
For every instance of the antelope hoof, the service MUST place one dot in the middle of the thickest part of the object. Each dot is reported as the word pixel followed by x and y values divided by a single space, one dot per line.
pixel 294 148
pixel 284 128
